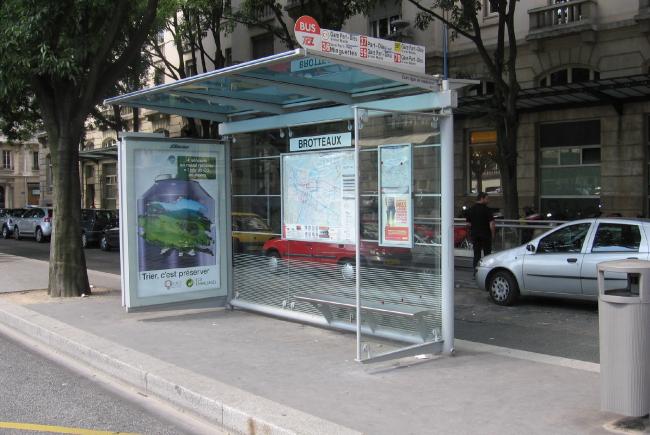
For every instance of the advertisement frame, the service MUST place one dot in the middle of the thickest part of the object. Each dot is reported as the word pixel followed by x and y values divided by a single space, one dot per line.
pixel 129 145
pixel 408 196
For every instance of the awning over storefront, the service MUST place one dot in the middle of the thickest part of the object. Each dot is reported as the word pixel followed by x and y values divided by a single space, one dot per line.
pixel 612 91
pixel 297 81
pixel 99 153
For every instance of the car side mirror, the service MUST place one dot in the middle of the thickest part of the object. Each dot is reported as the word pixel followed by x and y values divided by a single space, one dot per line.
pixel 530 248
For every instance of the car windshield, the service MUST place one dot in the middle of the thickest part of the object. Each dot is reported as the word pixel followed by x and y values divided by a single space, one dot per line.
pixel 252 223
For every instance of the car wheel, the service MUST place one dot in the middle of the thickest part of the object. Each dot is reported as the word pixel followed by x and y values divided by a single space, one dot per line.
pixel 103 244
pixel 274 260
pixel 503 288
pixel 39 235
pixel 5 232
pixel 346 267
pixel 84 240
pixel 16 233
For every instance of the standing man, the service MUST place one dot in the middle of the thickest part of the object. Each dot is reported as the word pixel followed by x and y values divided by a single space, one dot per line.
pixel 482 227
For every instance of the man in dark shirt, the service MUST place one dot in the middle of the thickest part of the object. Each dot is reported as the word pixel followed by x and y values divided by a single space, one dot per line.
pixel 482 227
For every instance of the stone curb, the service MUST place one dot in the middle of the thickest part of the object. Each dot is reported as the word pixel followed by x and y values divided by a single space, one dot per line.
pixel 219 403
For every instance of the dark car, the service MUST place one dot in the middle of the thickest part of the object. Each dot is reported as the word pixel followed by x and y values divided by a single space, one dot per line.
pixel 8 220
pixel 110 239
pixel 93 224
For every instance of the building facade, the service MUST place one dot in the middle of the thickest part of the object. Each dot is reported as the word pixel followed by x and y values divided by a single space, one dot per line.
pixel 585 107
pixel 25 174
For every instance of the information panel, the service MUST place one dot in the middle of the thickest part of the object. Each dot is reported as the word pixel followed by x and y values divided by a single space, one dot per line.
pixel 392 54
pixel 173 193
pixel 396 214
pixel 318 191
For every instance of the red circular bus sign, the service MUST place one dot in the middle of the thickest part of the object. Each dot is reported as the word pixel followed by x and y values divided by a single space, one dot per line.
pixel 307 32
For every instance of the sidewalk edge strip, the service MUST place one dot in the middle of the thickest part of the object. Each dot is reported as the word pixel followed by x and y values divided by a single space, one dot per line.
pixel 530 356
pixel 234 410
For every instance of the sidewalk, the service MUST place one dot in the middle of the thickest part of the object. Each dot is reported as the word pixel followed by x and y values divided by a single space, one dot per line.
pixel 257 374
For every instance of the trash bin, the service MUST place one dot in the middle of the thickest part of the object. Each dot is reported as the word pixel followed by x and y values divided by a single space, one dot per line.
pixel 624 323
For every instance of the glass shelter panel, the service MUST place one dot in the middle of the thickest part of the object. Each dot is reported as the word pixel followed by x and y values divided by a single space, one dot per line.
pixel 400 286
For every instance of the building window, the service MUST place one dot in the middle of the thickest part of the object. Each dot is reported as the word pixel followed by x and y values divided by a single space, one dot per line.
pixel 49 174
pixel 35 165
pixel 109 197
pixel 486 87
pixel 262 45
pixel 383 27
pixel 491 7
pixel 570 169
pixel 109 142
pixel 228 57
pixel 484 175
pixel 190 68
pixel 568 75
pixel 158 76
pixel 6 159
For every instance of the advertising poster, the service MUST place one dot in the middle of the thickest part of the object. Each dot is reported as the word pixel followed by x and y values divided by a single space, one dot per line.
pixel 396 206
pixel 319 197
pixel 177 221
pixel 175 233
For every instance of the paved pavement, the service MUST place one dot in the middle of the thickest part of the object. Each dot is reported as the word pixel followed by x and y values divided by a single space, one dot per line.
pixel 257 374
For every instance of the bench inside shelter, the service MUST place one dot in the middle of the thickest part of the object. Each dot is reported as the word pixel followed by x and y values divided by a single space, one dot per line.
pixel 324 302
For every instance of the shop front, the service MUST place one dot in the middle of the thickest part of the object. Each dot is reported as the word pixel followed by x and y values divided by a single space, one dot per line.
pixel 329 200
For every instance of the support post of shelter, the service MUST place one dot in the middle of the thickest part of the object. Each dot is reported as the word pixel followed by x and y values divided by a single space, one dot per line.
pixel 447 206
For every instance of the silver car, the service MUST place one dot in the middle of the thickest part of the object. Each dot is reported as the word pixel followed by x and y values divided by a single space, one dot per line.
pixel 35 222
pixel 562 262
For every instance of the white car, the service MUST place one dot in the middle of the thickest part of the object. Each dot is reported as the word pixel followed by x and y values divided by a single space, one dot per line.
pixel 562 262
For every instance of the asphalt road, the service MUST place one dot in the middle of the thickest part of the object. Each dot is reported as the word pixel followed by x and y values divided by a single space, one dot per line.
pixel 36 391
pixel 555 327
pixel 96 259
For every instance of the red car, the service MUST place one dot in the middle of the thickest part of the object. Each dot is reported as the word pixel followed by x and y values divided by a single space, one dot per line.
pixel 333 253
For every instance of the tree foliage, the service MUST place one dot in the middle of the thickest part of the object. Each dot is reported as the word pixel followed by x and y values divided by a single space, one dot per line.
pixel 68 56
pixel 499 57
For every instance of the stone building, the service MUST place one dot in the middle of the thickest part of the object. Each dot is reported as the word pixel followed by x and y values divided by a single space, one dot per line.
pixel 25 174
pixel 584 108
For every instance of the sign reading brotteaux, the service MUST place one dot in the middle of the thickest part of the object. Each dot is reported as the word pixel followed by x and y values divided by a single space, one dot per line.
pixel 325 141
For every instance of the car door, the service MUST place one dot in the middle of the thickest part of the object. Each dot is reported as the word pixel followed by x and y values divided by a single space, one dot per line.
pixel 612 241
pixel 28 221
pixel 555 265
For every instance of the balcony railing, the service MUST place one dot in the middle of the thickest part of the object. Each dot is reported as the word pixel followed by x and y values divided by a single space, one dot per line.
pixel 567 16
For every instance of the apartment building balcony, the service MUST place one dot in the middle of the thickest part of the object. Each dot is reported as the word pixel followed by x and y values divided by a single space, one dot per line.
pixel 560 19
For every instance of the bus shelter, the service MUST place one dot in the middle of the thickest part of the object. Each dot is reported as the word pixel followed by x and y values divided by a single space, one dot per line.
pixel 332 197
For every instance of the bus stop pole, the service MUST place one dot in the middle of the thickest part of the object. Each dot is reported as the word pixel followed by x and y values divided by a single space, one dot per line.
pixel 357 231
pixel 447 227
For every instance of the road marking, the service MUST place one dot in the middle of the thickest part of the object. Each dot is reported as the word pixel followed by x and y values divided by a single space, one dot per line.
pixel 56 429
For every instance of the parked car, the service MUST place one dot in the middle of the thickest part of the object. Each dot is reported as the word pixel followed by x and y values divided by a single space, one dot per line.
pixel 93 224
pixel 7 220
pixel 35 222
pixel 562 262
pixel 333 253
pixel 110 239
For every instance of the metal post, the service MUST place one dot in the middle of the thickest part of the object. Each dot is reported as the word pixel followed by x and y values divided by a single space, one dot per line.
pixel 357 235
pixel 447 217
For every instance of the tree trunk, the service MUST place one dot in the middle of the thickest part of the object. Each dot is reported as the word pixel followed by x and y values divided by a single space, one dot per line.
pixel 507 129
pixel 68 274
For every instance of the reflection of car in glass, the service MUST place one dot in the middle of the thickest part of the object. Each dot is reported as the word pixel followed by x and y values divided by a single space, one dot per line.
pixel 333 253
pixel 562 262
pixel 7 220
pixel 249 232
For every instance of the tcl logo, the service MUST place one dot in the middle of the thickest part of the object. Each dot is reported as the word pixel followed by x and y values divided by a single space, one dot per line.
pixel 308 40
